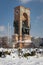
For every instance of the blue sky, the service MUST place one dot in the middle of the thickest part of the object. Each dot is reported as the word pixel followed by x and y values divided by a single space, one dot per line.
pixel 7 15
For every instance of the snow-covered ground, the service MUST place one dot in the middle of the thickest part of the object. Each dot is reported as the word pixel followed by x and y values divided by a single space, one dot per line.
pixel 13 59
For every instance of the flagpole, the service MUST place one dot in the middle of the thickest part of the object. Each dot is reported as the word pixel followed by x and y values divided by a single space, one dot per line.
pixel 8 33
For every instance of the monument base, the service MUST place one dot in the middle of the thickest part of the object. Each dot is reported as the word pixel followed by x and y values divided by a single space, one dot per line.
pixel 23 41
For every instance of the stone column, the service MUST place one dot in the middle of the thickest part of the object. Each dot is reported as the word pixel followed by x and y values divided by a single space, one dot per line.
pixel 20 27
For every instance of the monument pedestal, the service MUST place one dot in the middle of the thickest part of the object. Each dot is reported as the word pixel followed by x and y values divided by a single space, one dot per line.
pixel 27 40
pixel 20 41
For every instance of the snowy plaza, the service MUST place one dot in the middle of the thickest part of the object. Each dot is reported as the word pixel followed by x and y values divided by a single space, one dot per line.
pixel 14 59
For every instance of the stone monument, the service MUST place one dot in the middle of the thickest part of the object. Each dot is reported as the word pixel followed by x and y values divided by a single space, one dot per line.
pixel 22 26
